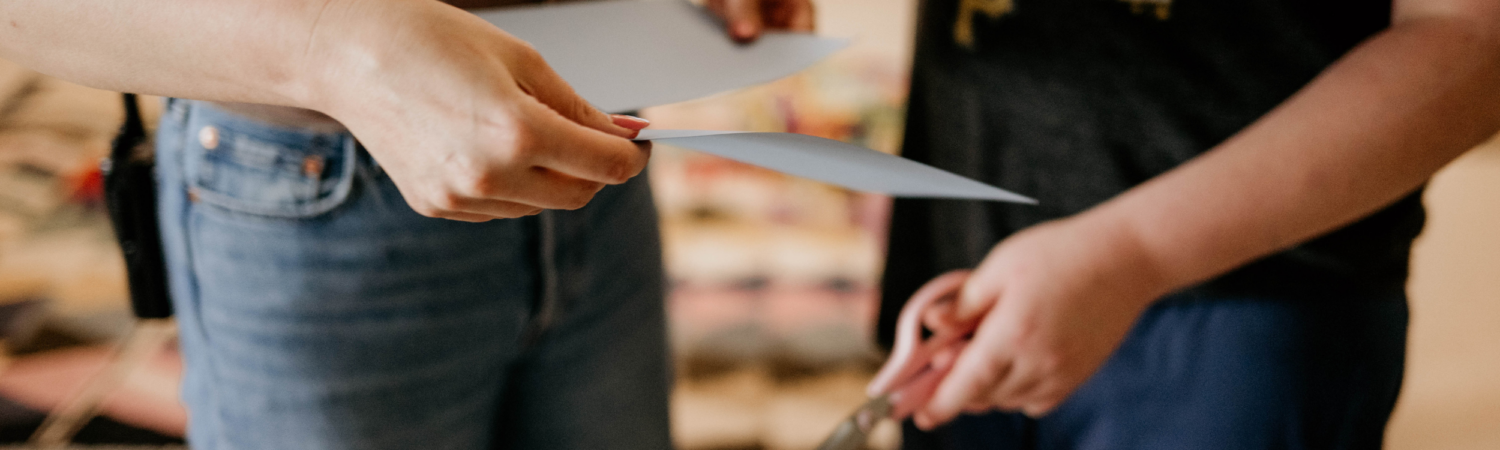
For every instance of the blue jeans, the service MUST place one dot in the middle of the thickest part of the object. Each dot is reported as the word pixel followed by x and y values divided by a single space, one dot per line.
pixel 318 311
pixel 1209 372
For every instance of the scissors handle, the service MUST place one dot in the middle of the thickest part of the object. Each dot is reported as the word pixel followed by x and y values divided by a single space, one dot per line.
pixel 915 393
pixel 915 367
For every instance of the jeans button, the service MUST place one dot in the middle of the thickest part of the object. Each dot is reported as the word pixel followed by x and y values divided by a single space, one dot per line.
pixel 312 166
pixel 208 137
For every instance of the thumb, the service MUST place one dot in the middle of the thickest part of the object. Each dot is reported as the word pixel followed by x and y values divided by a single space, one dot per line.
pixel 977 296
pixel 744 19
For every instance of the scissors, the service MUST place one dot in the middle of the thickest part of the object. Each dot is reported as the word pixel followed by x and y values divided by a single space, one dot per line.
pixel 911 375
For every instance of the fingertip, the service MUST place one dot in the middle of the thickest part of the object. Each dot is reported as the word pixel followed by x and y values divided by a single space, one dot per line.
pixel 933 419
pixel 746 30
pixel 936 409
pixel 922 421
pixel 805 20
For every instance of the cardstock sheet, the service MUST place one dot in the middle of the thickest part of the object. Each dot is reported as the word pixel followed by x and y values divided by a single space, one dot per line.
pixel 624 55
pixel 628 55
pixel 834 162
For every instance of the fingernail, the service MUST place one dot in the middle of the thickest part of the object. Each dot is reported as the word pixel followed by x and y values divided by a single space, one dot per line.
pixel 631 122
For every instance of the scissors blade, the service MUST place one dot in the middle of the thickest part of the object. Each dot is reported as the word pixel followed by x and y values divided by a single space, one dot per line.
pixel 854 431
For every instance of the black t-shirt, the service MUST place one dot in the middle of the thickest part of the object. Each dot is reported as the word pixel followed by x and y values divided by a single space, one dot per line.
pixel 1076 101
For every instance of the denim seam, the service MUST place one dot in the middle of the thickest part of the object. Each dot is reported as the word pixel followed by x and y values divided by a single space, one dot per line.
pixel 190 276
pixel 546 309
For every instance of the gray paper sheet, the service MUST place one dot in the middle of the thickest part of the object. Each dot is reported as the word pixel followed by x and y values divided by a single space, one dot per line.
pixel 834 162
pixel 628 55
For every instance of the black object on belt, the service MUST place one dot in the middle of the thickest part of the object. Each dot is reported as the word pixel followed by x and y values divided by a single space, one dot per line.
pixel 130 197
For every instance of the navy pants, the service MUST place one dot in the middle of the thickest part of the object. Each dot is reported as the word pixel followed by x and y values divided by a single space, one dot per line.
pixel 1200 373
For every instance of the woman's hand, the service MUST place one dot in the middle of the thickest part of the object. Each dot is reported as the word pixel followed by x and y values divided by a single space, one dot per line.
pixel 470 122
pixel 746 19
pixel 1048 306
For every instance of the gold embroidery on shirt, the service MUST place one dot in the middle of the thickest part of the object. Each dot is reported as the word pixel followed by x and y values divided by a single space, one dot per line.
pixel 963 29
pixel 1162 9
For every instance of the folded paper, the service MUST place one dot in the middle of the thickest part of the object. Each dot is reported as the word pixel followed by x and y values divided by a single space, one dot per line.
pixel 627 55
pixel 834 162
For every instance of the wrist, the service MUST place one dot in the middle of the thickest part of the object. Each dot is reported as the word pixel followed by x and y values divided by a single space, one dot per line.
pixel 364 57
pixel 332 54
pixel 1134 266
pixel 350 53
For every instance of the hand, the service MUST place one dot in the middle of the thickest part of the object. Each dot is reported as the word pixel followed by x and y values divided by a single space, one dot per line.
pixel 746 19
pixel 1047 306
pixel 469 122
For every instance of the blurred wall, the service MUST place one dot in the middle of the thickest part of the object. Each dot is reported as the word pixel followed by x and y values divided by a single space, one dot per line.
pixel 1451 399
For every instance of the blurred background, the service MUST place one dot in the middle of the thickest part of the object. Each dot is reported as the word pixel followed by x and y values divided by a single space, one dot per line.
pixel 774 279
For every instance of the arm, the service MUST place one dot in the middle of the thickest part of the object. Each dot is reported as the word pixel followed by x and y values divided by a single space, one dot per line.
pixel 1367 131
pixel 214 50
pixel 469 122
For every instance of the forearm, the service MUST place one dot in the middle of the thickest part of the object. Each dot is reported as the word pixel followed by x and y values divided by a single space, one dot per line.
pixel 1370 129
pixel 229 50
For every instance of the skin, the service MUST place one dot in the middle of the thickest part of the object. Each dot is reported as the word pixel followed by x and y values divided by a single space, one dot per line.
pixel 1050 304
pixel 470 122
pixel 746 19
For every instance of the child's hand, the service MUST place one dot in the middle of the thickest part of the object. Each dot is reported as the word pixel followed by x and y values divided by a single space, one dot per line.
pixel 1053 302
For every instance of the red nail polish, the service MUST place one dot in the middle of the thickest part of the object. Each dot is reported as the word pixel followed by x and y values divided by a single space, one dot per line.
pixel 631 122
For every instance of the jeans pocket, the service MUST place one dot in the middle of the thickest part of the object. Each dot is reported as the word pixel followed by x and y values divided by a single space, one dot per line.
pixel 248 167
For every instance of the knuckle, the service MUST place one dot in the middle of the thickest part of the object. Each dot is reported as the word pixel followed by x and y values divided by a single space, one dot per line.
pixel 1039 408
pixel 1008 404
pixel 481 185
pixel 615 173
pixel 577 202
pixel 1050 363
pixel 518 211
pixel 583 196
pixel 588 113
pixel 624 168
pixel 509 137
pixel 447 202
pixel 526 54
pixel 427 210
pixel 428 205
pixel 1023 334
pixel 467 175
pixel 520 143
pixel 987 374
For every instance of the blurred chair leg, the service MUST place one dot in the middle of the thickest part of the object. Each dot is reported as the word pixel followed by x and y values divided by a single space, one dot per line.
pixel 63 422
